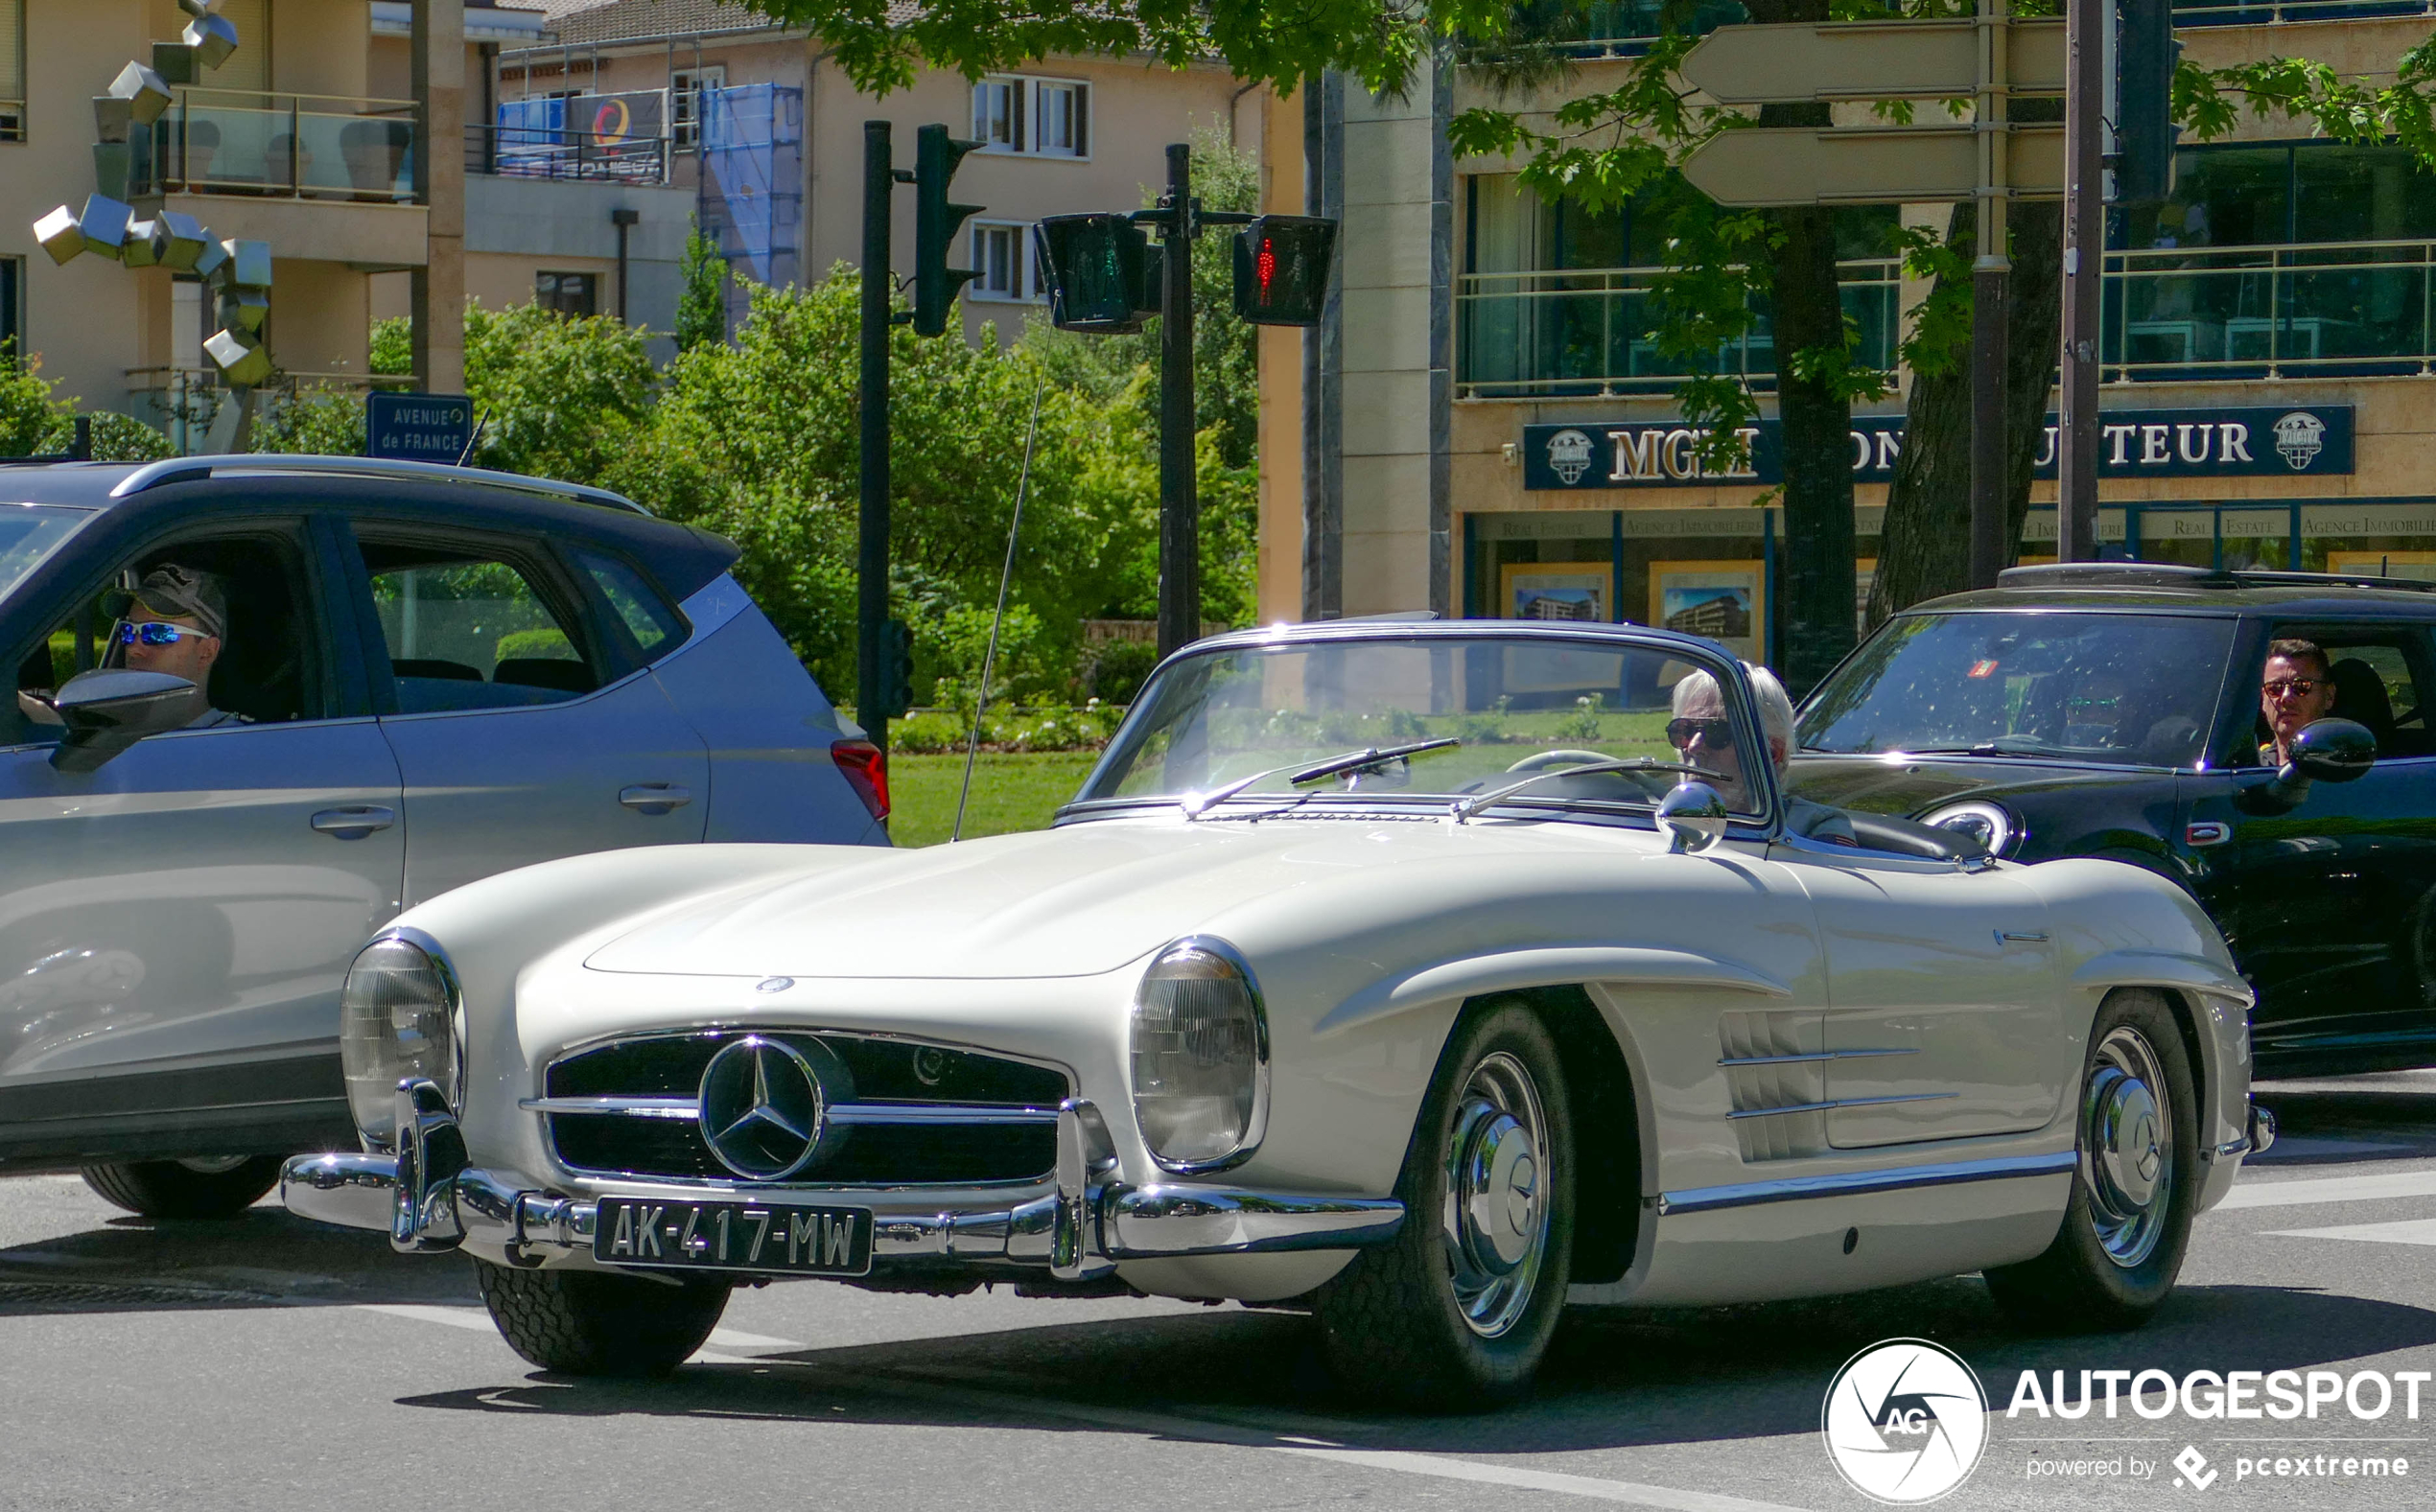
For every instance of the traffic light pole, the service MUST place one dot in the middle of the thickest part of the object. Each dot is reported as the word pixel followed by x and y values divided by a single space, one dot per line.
pixel 1179 500
pixel 1991 275
pixel 870 560
pixel 2077 433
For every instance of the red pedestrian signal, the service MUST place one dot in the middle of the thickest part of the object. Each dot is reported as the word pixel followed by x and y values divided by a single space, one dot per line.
pixel 1281 269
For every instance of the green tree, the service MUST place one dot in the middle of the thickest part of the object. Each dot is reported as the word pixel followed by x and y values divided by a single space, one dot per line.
pixel 559 396
pixel 36 422
pixel 702 296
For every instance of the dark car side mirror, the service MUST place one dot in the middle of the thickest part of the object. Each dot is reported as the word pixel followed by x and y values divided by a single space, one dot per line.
pixel 109 709
pixel 2326 751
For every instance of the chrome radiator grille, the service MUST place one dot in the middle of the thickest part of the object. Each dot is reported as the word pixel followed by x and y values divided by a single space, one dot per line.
pixel 898 1113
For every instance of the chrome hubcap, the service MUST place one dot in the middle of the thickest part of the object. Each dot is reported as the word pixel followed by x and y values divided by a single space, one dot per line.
pixel 1496 1215
pixel 2128 1146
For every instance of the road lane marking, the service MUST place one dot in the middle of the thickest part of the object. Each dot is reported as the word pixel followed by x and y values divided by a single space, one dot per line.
pixel 2329 1189
pixel 2406 1231
pixel 1628 1493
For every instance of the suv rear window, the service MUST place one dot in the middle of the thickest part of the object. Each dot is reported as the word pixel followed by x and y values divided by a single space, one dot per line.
pixel 2120 689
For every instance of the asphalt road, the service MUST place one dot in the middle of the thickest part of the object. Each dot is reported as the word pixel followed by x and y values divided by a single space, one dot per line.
pixel 268 1363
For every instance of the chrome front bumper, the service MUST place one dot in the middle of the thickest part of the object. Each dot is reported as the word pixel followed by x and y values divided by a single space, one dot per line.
pixel 428 1197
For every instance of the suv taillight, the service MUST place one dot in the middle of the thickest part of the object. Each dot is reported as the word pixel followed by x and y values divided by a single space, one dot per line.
pixel 866 768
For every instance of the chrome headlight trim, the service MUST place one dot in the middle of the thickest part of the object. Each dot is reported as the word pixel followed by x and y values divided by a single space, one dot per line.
pixel 1992 822
pixel 1257 1125
pixel 453 992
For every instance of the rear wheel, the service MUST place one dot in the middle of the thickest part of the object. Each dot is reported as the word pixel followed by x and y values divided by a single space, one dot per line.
pixel 1455 1314
pixel 2136 1186
pixel 590 1323
pixel 200 1186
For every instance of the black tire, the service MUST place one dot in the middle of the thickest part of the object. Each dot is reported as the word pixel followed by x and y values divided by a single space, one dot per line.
pixel 1397 1325
pixel 2106 1272
pixel 199 1188
pixel 590 1323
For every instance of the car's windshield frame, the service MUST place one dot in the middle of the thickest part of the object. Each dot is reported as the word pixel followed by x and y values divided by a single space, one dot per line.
pixel 2216 727
pixel 1741 705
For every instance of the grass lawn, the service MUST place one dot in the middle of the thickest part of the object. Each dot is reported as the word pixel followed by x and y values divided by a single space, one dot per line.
pixel 1010 792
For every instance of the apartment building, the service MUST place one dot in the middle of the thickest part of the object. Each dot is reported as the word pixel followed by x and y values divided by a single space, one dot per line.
pixel 1486 422
pixel 683 111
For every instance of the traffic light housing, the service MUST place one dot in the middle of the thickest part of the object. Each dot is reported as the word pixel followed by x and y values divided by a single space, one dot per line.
pixel 2145 132
pixel 936 220
pixel 895 694
pixel 1281 269
pixel 1098 269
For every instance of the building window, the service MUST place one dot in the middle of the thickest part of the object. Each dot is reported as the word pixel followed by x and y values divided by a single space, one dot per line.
pixel 12 70
pixel 686 88
pixel 11 311
pixel 1036 117
pixel 1002 255
pixel 568 294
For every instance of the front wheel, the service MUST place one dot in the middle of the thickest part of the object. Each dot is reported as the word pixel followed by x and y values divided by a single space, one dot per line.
pixel 2136 1185
pixel 200 1186
pixel 1456 1311
pixel 592 1323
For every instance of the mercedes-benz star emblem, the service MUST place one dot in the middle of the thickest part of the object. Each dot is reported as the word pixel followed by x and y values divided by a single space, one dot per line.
pixel 762 1109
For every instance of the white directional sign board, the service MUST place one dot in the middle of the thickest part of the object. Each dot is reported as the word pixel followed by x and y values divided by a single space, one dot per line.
pixel 1905 165
pixel 1868 60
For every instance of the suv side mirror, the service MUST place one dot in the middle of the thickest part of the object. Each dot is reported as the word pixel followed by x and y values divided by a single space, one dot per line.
pixel 2333 751
pixel 107 710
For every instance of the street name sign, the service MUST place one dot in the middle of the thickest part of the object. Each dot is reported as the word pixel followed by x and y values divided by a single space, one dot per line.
pixel 1743 65
pixel 1906 164
pixel 417 427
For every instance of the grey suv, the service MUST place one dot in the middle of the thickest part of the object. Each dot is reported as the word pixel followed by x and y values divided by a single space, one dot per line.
pixel 427 675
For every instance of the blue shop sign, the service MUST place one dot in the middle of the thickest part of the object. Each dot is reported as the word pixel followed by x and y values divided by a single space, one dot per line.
pixel 2252 441
pixel 418 428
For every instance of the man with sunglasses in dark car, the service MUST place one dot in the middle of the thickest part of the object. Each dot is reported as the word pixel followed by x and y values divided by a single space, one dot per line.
pixel 177 625
pixel 2296 690
pixel 1703 735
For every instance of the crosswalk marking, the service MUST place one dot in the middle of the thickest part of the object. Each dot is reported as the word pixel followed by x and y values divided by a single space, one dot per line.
pixel 2407 1231
pixel 2330 1189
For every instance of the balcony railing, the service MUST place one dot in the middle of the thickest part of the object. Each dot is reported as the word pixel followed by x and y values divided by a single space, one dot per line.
pixel 2266 13
pixel 1594 331
pixel 289 145
pixel 181 402
pixel 2362 307
pixel 546 152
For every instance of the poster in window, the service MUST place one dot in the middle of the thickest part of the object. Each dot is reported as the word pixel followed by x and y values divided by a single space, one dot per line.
pixel 1724 601
pixel 2418 566
pixel 1560 590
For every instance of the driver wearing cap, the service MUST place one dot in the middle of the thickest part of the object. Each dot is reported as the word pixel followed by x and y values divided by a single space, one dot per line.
pixel 177 625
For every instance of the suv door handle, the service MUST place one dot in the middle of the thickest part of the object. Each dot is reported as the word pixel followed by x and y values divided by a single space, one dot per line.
pixel 355 822
pixel 654 797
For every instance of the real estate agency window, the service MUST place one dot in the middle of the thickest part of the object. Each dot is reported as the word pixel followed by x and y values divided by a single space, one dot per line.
pixel 1002 256
pixel 568 294
pixel 686 88
pixel 1036 117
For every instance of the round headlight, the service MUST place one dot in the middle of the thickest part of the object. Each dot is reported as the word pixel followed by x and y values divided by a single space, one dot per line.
pixel 1986 823
pixel 1201 1057
pixel 397 1019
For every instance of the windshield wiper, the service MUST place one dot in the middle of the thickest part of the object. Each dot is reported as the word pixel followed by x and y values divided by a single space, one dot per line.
pixel 1972 751
pixel 1463 808
pixel 1195 805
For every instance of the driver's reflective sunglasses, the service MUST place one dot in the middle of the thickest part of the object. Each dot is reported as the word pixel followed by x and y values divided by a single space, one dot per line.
pixel 1718 734
pixel 154 633
pixel 2291 686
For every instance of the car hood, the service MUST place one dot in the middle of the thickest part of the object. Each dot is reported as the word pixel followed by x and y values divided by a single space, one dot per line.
pixel 1906 784
pixel 1088 898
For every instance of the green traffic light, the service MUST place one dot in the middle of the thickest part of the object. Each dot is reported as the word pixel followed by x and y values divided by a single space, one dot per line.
pixel 1095 267
pixel 936 219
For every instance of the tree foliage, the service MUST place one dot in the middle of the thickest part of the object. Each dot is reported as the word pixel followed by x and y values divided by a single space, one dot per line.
pixel 702 293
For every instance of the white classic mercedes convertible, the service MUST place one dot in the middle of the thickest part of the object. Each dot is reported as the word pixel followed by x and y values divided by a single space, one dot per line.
pixel 1424 976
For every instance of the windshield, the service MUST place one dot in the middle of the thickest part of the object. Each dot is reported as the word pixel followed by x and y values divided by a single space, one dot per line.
pixel 29 533
pixel 1516 705
pixel 2124 689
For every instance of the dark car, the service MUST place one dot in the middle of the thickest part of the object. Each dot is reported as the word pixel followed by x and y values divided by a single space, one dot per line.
pixel 2112 710
pixel 427 675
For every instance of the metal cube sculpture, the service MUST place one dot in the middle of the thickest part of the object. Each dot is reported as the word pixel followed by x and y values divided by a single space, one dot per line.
pixel 199 9
pixel 178 240
pixel 207 262
pixel 247 266
pixel 240 358
pixel 112 117
pixel 59 234
pixel 104 221
pixel 143 244
pixel 243 309
pixel 213 38
pixel 146 93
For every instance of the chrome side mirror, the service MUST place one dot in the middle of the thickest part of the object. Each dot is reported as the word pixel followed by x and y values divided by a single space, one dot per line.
pixel 2335 751
pixel 1693 817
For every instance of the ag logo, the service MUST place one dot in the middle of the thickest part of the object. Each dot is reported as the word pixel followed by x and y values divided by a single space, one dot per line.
pixel 1904 1421
pixel 2300 436
pixel 1569 455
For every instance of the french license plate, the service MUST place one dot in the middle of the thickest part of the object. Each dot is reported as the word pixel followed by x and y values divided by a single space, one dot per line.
pixel 734 1236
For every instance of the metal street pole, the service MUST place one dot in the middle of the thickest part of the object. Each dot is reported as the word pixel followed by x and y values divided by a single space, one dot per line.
pixel 2076 434
pixel 871 559
pixel 1178 505
pixel 1990 274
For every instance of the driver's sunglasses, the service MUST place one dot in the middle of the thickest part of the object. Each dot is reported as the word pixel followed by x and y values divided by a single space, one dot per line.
pixel 154 633
pixel 1718 734
pixel 2292 686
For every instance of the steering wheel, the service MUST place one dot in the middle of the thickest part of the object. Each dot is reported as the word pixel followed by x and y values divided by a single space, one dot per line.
pixel 1540 759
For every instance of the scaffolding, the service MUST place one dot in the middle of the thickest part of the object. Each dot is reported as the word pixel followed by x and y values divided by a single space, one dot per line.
pixel 751 185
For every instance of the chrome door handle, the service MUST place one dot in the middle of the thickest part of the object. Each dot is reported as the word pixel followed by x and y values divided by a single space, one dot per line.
pixel 354 822
pixel 654 797
pixel 2021 937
